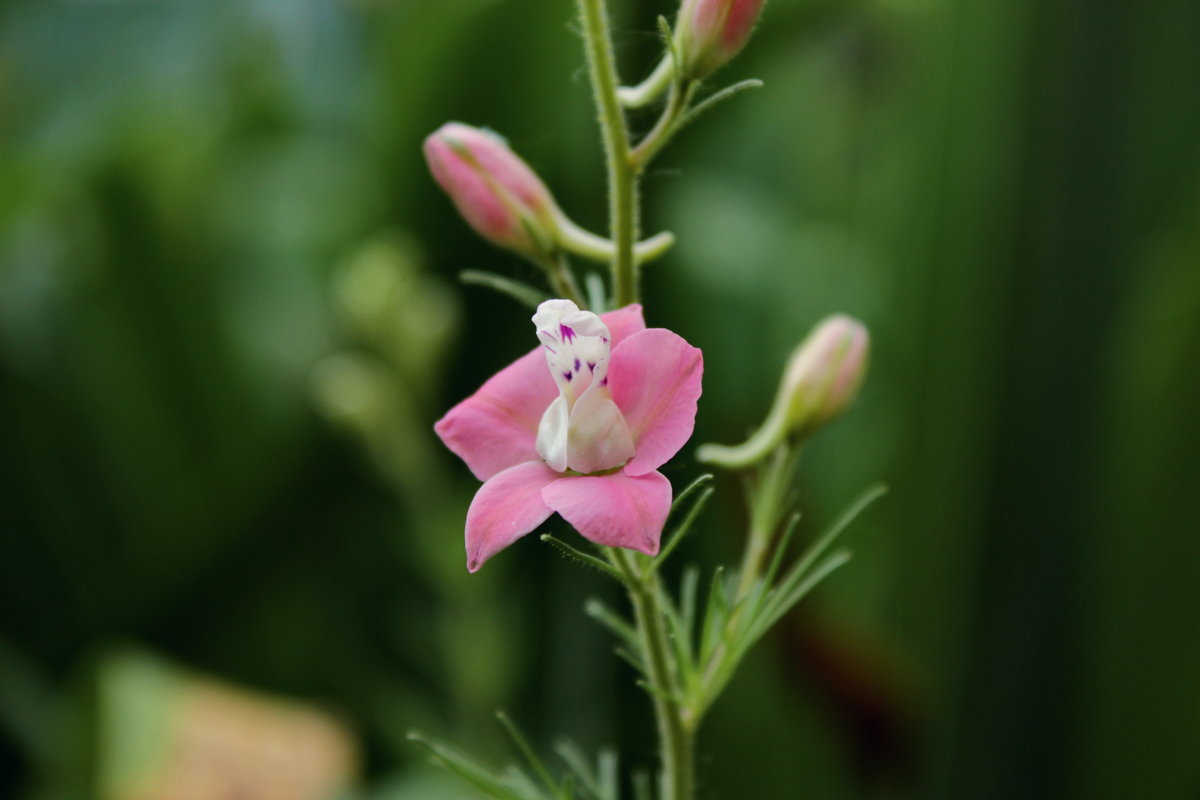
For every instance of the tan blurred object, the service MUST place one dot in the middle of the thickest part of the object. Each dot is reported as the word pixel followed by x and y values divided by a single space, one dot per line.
pixel 197 739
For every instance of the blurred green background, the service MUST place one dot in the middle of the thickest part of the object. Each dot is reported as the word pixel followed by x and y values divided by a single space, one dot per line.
pixel 228 319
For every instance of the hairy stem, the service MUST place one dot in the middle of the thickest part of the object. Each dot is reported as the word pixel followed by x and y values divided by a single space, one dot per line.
pixel 622 182
pixel 676 727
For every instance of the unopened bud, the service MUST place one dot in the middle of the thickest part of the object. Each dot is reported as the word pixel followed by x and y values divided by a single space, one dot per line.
pixel 824 372
pixel 820 381
pixel 709 33
pixel 495 191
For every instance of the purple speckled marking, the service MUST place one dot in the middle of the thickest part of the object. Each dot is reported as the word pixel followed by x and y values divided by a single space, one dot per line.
pixel 568 375
pixel 568 333
pixel 591 365
pixel 577 365
pixel 548 347
pixel 605 381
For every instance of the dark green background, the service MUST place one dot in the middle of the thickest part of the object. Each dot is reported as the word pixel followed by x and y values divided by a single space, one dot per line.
pixel 1006 191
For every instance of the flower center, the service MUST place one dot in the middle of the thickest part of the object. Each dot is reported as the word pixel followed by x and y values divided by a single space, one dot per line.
pixel 582 429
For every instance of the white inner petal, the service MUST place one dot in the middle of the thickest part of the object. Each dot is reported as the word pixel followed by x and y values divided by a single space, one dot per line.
pixel 576 344
pixel 582 429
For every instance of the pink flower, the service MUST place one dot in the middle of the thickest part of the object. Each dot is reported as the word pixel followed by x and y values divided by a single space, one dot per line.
pixel 579 426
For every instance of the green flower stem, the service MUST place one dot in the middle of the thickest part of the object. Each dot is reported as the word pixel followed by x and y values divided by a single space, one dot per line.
pixel 768 502
pixel 622 181
pixel 676 725
pixel 586 244
pixel 650 89
pixel 675 112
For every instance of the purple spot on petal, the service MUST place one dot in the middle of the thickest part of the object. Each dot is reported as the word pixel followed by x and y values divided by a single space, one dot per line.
pixel 605 381
pixel 568 333
pixel 591 366
pixel 568 375
pixel 604 339
pixel 577 365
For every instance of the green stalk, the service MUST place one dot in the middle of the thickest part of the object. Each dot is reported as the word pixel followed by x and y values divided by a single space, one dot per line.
pixel 676 726
pixel 622 183
pixel 768 504
pixel 674 113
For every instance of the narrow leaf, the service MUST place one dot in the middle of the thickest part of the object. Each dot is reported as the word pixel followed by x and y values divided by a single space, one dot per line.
pixel 607 774
pixel 522 292
pixel 715 615
pixel 717 97
pixel 641 785
pixel 785 602
pixel 664 30
pixel 585 558
pixel 781 549
pixel 611 620
pixel 661 694
pixel 531 758
pixel 818 548
pixel 465 767
pixel 630 658
pixel 689 490
pixel 683 527
pixel 577 763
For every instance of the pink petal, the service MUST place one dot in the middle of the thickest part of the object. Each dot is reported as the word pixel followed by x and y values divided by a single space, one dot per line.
pixel 618 510
pixel 505 508
pixel 624 322
pixel 654 376
pixel 496 427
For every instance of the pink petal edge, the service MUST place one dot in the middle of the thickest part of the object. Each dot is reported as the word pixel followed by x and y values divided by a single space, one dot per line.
pixel 505 508
pixel 618 510
pixel 655 378
pixel 496 427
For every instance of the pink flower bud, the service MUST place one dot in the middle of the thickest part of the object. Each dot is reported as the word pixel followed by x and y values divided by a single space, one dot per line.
pixel 820 381
pixel 824 372
pixel 709 33
pixel 495 191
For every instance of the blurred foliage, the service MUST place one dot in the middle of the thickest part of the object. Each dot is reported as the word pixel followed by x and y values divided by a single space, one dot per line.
pixel 226 325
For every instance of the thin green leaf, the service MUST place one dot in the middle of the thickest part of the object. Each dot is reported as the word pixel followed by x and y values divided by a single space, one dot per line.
pixel 641 785
pixel 661 694
pixel 689 490
pixel 596 293
pixel 688 586
pixel 818 548
pixel 522 292
pixel 785 602
pixel 715 615
pixel 664 30
pixel 465 767
pixel 605 616
pixel 584 558
pixel 577 763
pixel 631 658
pixel 607 774
pixel 683 527
pixel 680 643
pixel 781 549
pixel 531 758
pixel 717 97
